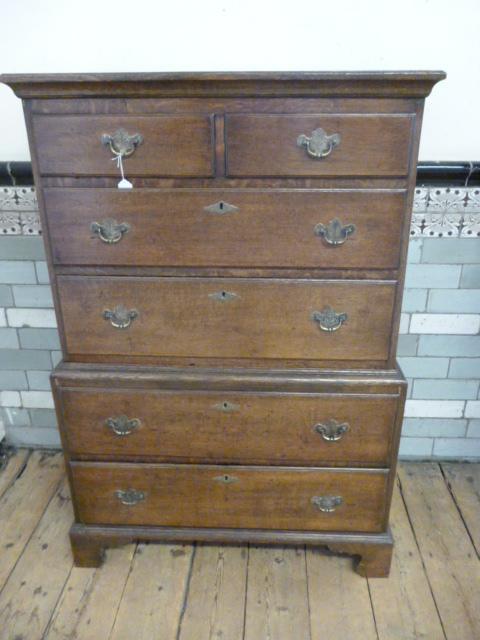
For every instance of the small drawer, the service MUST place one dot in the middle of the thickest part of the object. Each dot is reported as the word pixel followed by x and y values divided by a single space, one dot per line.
pixel 236 228
pixel 231 496
pixel 318 145
pixel 227 317
pixel 306 429
pixel 167 145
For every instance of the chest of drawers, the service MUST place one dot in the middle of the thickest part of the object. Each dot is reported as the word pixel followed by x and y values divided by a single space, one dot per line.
pixel 229 324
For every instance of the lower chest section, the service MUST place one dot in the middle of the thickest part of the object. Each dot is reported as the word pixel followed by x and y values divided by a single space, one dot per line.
pixel 224 449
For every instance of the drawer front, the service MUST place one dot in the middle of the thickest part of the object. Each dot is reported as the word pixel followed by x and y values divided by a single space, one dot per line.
pixel 249 428
pixel 278 228
pixel 173 145
pixel 227 317
pixel 270 145
pixel 215 496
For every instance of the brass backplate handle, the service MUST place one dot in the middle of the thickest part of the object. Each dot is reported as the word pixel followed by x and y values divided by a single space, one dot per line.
pixel 327 504
pixel 109 230
pixel 121 143
pixel 328 319
pixel 120 317
pixel 334 233
pixel 319 144
pixel 130 497
pixel 331 430
pixel 122 425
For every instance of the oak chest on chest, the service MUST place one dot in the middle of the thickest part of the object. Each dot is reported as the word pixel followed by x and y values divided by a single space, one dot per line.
pixel 229 322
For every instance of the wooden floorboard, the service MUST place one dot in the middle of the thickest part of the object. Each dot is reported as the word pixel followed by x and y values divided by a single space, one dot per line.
pixel 15 466
pixel 22 505
pixel 450 561
pixel 216 596
pixel 339 600
pixel 463 481
pixel 214 592
pixel 155 591
pixel 90 599
pixel 35 584
pixel 403 605
pixel 277 605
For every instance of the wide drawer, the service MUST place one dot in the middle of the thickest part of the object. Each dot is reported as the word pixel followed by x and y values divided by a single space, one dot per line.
pixel 250 428
pixel 233 228
pixel 227 317
pixel 271 145
pixel 172 145
pixel 231 496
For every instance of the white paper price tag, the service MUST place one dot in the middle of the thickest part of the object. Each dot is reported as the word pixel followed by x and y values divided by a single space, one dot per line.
pixel 124 183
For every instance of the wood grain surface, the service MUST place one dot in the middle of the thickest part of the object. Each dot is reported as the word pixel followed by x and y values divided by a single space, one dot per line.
pixel 230 427
pixel 267 228
pixel 245 318
pixel 262 497
pixel 259 83
pixel 266 145
pixel 173 145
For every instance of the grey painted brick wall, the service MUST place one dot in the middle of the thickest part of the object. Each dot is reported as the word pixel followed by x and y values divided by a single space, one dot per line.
pixel 439 349
pixel 439 346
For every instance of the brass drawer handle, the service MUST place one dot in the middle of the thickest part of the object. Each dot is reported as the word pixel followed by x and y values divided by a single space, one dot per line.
pixel 110 231
pixel 122 425
pixel 327 504
pixel 331 430
pixel 130 497
pixel 328 319
pixel 319 145
pixel 334 233
pixel 121 143
pixel 120 317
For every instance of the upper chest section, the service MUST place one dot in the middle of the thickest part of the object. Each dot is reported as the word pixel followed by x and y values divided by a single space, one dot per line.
pixel 276 137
